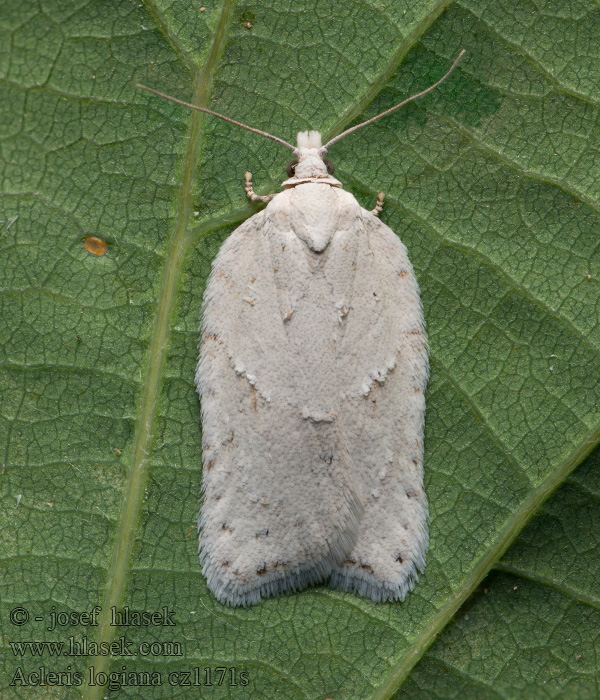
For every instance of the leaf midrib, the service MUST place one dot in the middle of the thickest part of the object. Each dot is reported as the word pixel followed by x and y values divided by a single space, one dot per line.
pixel 173 264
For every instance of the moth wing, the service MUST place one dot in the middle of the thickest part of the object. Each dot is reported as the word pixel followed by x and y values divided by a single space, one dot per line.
pixel 279 509
pixel 384 366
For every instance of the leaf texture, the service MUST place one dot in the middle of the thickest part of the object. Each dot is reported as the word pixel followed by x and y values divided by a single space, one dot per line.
pixel 491 182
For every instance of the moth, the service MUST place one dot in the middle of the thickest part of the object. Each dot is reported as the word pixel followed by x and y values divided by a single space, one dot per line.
pixel 312 375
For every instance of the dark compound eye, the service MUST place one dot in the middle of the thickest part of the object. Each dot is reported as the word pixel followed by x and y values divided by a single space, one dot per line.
pixel 329 165
pixel 291 168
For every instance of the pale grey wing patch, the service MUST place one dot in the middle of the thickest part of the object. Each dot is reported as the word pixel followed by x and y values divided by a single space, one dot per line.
pixel 240 293
pixel 310 284
pixel 384 311
pixel 280 509
pixel 307 472
pixel 384 420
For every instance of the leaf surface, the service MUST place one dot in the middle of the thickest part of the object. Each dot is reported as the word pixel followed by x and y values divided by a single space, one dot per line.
pixel 491 183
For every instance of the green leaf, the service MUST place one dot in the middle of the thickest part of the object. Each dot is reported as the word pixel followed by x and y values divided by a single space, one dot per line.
pixel 491 181
pixel 531 629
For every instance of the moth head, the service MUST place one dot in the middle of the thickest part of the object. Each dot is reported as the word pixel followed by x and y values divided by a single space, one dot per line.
pixel 310 161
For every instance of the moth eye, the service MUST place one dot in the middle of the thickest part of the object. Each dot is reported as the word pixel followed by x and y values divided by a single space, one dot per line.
pixel 329 165
pixel 291 168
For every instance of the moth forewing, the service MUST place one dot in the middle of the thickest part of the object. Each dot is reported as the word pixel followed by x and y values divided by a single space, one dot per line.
pixel 312 374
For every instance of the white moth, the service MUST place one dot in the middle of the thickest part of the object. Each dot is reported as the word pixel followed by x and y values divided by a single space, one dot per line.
pixel 312 374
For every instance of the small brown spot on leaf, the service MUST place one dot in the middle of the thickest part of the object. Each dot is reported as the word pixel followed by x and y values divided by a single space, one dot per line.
pixel 399 559
pixel 263 571
pixel 368 568
pixel 95 245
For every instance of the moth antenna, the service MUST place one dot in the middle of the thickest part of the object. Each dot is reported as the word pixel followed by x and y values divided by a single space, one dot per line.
pixel 216 114
pixel 396 107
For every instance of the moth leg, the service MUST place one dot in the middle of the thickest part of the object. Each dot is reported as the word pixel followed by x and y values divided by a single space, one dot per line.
pixel 379 206
pixel 250 191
